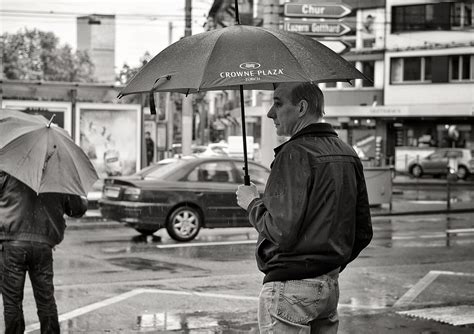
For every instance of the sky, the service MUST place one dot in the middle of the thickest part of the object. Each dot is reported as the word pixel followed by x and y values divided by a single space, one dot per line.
pixel 141 25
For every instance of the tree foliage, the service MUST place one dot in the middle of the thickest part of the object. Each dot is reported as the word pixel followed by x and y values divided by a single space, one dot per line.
pixel 37 55
pixel 127 72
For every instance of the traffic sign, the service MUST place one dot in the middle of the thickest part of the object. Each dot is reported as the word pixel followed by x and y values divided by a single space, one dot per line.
pixel 336 46
pixel 316 27
pixel 312 10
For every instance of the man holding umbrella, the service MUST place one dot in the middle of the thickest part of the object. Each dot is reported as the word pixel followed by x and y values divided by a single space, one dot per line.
pixel 31 225
pixel 313 218
pixel 43 175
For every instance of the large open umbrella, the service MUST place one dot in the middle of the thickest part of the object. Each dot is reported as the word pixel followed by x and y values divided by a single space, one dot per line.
pixel 42 155
pixel 240 57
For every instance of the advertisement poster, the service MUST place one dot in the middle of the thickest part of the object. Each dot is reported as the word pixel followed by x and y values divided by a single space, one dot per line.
pixel 61 111
pixel 110 139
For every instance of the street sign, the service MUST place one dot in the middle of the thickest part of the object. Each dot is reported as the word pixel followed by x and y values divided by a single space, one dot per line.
pixel 334 11
pixel 336 46
pixel 316 27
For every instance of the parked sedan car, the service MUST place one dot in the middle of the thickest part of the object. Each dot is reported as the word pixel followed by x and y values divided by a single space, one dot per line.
pixel 437 163
pixel 183 196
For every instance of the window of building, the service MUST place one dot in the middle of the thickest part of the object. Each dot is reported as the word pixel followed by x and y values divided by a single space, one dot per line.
pixel 437 16
pixel 461 14
pixel 460 68
pixel 368 70
pixel 410 69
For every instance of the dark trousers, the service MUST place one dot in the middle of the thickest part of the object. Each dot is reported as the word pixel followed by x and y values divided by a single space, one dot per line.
pixel 35 258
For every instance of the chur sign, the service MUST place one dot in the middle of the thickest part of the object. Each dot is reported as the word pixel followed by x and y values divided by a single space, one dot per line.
pixel 311 10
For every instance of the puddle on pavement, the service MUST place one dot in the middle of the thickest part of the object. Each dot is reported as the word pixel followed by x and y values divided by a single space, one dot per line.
pixel 197 322
pixel 139 263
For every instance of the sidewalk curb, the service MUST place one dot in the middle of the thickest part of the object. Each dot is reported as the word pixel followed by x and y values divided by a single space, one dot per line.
pixel 96 222
pixel 424 212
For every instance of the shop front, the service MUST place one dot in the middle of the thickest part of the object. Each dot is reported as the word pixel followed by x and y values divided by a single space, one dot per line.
pixel 377 131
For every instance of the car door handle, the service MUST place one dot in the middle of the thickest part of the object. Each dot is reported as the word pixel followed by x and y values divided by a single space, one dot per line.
pixel 199 193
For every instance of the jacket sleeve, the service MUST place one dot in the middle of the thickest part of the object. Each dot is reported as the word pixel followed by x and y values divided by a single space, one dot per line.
pixel 363 232
pixel 75 206
pixel 279 214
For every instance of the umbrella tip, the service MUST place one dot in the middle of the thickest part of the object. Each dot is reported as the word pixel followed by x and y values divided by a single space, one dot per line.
pixel 51 121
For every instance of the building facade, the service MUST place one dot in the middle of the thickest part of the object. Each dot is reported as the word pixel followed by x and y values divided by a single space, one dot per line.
pixel 96 35
pixel 419 55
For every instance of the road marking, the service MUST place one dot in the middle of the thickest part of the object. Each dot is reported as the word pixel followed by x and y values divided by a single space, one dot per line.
pixel 418 288
pixel 423 283
pixel 201 244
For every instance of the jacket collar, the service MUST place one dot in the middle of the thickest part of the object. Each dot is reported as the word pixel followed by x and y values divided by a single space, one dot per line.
pixel 312 130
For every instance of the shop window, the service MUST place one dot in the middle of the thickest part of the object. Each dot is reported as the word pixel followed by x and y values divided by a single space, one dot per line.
pixel 461 68
pixel 368 71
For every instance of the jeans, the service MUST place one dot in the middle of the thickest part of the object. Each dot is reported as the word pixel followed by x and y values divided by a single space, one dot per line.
pixel 36 258
pixel 300 306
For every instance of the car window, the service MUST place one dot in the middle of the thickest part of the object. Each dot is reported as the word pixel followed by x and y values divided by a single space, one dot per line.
pixel 199 149
pixel 454 154
pixel 258 174
pixel 437 155
pixel 218 150
pixel 164 169
pixel 216 171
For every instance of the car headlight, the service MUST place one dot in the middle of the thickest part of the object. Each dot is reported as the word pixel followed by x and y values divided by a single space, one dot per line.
pixel 132 194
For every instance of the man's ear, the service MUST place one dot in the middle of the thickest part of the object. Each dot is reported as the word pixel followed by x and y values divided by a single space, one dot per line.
pixel 303 108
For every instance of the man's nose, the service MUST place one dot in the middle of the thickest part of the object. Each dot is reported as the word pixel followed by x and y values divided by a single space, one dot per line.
pixel 270 113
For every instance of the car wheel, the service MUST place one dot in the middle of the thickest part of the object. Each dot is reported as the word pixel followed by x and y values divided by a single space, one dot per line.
pixel 417 171
pixel 184 224
pixel 146 231
pixel 462 173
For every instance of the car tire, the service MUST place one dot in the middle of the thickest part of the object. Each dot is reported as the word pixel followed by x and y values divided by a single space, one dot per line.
pixel 462 173
pixel 184 223
pixel 146 231
pixel 417 171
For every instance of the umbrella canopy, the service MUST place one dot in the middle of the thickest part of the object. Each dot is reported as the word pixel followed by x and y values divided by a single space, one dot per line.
pixel 240 57
pixel 226 58
pixel 43 155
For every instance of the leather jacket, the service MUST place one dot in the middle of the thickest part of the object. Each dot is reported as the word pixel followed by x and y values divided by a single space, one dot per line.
pixel 27 216
pixel 314 215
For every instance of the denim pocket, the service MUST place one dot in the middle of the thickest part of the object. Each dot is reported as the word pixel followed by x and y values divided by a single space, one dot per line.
pixel 299 301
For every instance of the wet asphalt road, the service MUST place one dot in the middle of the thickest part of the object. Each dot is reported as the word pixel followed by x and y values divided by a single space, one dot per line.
pixel 111 280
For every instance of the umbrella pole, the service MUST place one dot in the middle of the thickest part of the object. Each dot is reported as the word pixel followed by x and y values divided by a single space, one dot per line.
pixel 242 112
pixel 244 136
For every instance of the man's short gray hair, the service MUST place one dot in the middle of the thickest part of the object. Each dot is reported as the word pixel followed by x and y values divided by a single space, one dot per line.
pixel 311 93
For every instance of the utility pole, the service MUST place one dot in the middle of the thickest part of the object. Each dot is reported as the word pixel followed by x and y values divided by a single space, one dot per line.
pixel 187 112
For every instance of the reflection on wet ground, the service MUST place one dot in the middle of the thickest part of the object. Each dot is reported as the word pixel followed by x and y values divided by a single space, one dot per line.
pixel 456 195
pixel 426 231
pixel 197 322
pixel 140 263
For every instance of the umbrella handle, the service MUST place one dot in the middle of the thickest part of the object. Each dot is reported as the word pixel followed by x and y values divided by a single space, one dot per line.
pixel 246 178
